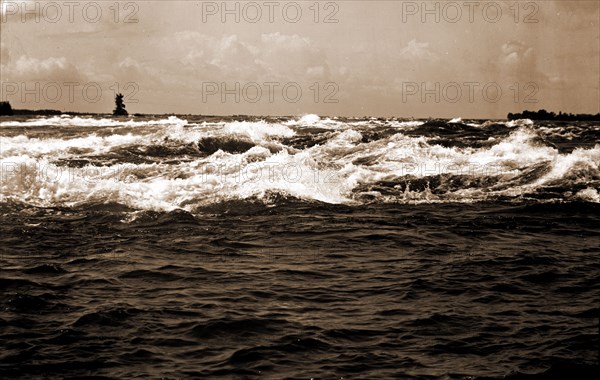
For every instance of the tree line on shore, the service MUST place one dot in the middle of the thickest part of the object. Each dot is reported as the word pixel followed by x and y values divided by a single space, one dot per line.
pixel 545 115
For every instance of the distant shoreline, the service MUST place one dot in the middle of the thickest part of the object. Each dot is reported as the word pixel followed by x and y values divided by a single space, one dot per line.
pixel 544 115
pixel 541 115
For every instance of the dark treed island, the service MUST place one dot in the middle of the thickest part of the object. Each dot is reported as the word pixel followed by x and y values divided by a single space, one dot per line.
pixel 5 109
pixel 120 106
pixel 545 115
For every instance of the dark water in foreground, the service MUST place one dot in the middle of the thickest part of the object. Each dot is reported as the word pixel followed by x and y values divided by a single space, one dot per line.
pixel 378 274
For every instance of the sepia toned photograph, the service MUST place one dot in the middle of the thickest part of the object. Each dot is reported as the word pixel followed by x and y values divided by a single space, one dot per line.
pixel 308 189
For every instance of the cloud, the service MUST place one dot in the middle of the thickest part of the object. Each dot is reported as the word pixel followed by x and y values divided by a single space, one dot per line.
pixel 516 54
pixel 418 51
pixel 50 69
pixel 282 43
pixel 518 62
pixel 292 57
pixel 271 57
pixel 204 57
pixel 52 82
pixel 130 70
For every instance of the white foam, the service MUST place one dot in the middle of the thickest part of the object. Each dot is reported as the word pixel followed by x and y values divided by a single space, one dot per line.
pixel 589 194
pixel 580 160
pixel 257 131
pixel 309 120
pixel 328 172
pixel 315 121
pixel 519 123
pixel 409 124
pixel 69 121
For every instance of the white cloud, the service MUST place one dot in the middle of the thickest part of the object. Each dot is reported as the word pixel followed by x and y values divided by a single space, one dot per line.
pixel 516 53
pixel 519 63
pixel 292 58
pixel 34 69
pixel 290 43
pixel 272 57
pixel 418 51
pixel 202 57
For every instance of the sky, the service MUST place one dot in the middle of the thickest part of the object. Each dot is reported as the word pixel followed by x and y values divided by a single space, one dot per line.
pixel 470 59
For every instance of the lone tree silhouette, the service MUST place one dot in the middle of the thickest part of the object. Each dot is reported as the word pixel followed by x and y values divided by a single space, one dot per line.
pixel 5 108
pixel 120 110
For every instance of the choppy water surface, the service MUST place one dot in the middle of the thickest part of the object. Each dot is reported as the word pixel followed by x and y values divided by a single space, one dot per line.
pixel 298 247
